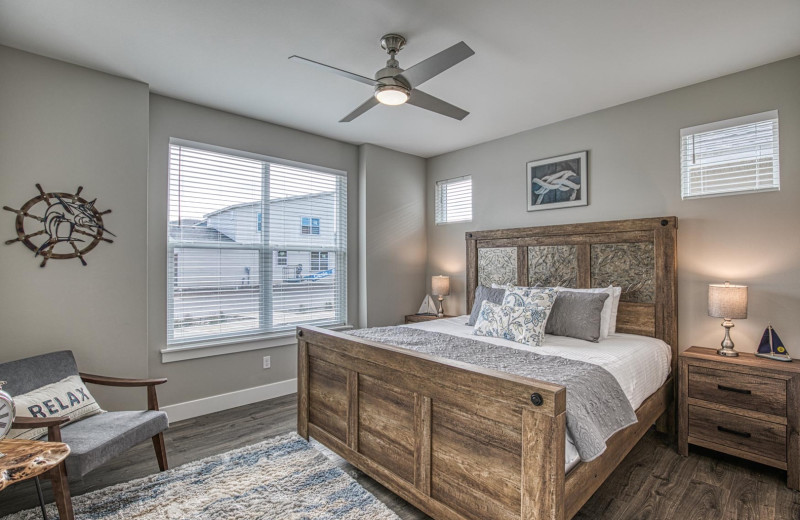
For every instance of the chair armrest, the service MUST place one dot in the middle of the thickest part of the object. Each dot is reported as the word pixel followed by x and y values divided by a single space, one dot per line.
pixel 53 425
pixel 152 398
pixel 120 381
pixel 37 422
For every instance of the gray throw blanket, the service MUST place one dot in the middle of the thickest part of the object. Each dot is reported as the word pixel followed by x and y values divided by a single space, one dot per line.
pixel 596 405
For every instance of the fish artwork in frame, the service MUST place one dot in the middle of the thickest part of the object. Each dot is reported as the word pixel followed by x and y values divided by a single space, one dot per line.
pixel 558 182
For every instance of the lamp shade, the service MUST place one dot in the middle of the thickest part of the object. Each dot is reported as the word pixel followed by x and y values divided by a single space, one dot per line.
pixel 727 301
pixel 440 285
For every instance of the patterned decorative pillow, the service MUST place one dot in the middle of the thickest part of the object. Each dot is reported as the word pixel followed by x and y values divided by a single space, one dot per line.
pixel 521 324
pixel 68 397
pixel 530 296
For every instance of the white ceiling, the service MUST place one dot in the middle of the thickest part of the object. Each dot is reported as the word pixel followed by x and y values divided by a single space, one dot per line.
pixel 536 61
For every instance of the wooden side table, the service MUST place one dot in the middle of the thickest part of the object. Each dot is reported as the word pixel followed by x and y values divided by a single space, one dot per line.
pixel 744 406
pixel 419 318
pixel 24 460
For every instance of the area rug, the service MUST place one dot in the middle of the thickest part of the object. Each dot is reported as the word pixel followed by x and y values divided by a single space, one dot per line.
pixel 282 478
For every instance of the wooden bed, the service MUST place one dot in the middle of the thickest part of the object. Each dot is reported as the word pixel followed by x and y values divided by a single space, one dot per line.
pixel 462 442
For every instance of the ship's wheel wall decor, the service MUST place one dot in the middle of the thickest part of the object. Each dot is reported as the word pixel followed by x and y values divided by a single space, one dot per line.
pixel 60 225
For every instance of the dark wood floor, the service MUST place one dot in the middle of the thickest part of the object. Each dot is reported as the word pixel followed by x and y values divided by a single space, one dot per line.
pixel 653 482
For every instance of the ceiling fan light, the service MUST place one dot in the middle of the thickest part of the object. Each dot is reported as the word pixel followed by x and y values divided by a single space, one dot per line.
pixel 391 94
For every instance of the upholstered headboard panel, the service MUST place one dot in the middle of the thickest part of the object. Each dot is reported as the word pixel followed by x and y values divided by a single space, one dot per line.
pixel 638 255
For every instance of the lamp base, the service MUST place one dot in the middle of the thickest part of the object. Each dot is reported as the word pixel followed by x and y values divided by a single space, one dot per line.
pixel 728 352
pixel 441 308
pixel 727 343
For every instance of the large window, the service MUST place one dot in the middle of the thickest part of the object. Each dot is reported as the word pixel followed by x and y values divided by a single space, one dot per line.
pixel 244 252
pixel 454 200
pixel 730 157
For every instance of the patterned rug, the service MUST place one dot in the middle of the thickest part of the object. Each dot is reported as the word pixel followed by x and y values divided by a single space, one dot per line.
pixel 282 478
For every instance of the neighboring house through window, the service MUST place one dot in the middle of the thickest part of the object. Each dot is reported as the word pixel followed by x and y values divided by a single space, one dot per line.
pixel 239 266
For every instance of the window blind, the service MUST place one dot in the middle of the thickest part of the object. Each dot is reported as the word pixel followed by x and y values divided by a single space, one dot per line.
pixel 729 157
pixel 256 246
pixel 454 200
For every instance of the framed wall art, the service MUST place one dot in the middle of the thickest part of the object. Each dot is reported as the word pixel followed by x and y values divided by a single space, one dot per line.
pixel 557 182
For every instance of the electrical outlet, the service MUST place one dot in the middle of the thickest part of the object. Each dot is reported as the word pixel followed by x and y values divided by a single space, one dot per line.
pixel 267 362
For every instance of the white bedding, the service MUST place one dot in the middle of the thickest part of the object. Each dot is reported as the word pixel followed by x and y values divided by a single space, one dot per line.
pixel 640 364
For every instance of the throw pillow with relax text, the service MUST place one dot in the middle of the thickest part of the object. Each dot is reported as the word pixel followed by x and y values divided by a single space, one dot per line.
pixel 67 398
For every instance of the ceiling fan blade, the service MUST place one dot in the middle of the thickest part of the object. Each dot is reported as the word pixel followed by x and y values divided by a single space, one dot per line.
pixel 340 72
pixel 436 64
pixel 421 99
pixel 363 107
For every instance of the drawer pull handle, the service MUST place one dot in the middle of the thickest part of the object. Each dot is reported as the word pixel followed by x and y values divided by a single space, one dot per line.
pixel 734 432
pixel 731 389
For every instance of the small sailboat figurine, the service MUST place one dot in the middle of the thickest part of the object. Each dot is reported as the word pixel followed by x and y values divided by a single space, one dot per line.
pixel 771 346
pixel 428 307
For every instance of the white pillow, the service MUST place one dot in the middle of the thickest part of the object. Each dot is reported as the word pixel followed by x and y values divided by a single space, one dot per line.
pixel 521 324
pixel 67 398
pixel 614 309
pixel 608 313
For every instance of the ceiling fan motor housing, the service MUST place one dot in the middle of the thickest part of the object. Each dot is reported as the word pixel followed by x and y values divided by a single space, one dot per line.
pixel 392 43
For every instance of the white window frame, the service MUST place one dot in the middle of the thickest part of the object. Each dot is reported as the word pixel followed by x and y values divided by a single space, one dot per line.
pixel 198 348
pixel 687 133
pixel 439 195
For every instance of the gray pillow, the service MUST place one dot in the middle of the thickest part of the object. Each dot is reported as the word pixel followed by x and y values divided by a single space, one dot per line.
pixel 483 293
pixel 577 315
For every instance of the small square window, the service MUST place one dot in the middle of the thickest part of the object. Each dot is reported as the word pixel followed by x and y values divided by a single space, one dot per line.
pixel 282 258
pixel 454 200
pixel 319 261
pixel 730 157
pixel 309 226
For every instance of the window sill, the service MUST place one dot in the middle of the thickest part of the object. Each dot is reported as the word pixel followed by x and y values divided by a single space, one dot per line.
pixel 231 346
pixel 453 222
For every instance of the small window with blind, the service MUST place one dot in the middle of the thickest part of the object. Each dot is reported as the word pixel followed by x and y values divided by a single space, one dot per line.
pixel 256 245
pixel 731 157
pixel 454 200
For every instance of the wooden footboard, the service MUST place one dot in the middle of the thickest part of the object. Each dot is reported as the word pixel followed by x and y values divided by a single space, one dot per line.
pixel 457 441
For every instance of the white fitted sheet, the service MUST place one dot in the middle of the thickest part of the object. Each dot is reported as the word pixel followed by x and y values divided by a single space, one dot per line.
pixel 640 364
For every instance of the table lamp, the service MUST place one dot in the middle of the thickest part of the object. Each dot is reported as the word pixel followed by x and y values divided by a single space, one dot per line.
pixel 440 286
pixel 728 302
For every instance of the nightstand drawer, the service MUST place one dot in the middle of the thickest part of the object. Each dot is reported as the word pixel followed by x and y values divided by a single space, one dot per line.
pixel 747 391
pixel 762 438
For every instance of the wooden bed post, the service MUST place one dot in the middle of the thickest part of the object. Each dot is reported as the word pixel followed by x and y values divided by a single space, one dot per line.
pixel 302 386
pixel 472 270
pixel 542 485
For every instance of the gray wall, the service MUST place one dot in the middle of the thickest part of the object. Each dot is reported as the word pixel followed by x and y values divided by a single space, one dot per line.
pixel 391 235
pixel 210 376
pixel 65 126
pixel 62 126
pixel 634 171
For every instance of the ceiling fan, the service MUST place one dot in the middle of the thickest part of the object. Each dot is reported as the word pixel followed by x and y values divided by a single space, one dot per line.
pixel 395 86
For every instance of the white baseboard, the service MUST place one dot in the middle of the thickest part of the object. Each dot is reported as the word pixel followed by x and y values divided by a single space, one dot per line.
pixel 216 403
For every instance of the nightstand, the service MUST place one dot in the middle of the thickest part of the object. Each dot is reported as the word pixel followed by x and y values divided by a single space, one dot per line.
pixel 745 406
pixel 419 318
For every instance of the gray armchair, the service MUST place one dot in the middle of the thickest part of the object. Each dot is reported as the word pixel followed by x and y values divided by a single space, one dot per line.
pixel 93 440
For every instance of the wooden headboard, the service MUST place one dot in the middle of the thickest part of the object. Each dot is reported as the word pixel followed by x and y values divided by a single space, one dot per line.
pixel 638 255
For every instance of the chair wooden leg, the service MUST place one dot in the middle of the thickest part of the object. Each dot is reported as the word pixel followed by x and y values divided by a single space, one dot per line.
pixel 58 476
pixel 161 452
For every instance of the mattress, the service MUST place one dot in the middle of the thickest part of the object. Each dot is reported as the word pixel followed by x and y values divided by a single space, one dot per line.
pixel 640 364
